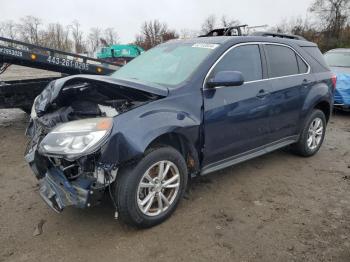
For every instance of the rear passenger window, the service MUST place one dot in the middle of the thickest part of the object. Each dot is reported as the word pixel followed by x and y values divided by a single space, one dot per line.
pixel 303 68
pixel 282 61
pixel 245 59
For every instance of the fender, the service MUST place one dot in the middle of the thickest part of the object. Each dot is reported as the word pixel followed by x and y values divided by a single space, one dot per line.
pixel 133 131
pixel 319 92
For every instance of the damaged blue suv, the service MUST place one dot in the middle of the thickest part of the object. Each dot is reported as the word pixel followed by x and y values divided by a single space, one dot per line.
pixel 185 108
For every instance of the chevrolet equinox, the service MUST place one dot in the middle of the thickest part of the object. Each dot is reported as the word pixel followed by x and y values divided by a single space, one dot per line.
pixel 185 108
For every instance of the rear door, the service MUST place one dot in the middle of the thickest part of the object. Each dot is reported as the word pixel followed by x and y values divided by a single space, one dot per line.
pixel 236 119
pixel 289 76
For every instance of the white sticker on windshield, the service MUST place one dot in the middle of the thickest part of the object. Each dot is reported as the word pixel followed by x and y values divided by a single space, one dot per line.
pixel 209 46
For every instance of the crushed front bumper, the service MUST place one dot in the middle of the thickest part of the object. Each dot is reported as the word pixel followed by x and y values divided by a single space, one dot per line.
pixel 58 192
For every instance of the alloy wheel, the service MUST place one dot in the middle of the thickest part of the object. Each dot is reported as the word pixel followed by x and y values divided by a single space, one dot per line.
pixel 315 133
pixel 158 188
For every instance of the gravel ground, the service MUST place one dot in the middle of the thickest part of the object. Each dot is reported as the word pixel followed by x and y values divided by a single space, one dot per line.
pixel 278 207
pixel 15 72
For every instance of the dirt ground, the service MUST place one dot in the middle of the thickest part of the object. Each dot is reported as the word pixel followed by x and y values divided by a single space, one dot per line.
pixel 15 72
pixel 278 207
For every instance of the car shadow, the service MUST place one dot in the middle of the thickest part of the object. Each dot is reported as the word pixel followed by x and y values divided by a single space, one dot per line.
pixel 103 214
pixel 340 112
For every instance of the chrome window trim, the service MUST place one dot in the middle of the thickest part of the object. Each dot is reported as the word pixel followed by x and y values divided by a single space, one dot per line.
pixel 259 80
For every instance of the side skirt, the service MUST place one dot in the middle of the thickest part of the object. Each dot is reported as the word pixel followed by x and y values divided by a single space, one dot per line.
pixel 248 155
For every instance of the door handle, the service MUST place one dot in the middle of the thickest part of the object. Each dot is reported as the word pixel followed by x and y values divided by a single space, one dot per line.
pixel 262 94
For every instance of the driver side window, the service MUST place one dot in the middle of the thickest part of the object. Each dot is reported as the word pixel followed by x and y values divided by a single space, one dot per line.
pixel 245 59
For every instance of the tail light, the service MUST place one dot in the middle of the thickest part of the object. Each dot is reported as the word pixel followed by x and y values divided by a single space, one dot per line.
pixel 334 80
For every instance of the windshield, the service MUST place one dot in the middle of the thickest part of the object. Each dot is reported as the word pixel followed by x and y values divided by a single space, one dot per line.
pixel 341 59
pixel 169 64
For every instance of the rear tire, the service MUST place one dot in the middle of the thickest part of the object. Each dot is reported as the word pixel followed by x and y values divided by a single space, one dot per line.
pixel 312 135
pixel 149 191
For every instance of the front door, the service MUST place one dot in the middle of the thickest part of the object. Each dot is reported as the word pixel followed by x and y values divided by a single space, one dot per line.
pixel 236 119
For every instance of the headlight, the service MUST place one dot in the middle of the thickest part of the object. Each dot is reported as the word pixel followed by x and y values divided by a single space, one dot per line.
pixel 75 138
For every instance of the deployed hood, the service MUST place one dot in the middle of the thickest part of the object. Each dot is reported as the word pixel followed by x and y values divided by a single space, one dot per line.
pixel 58 92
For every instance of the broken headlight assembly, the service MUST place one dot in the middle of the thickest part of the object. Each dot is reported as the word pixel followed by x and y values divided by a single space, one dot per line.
pixel 76 138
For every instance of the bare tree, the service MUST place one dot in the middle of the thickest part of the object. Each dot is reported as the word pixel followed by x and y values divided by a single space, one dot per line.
pixel 227 22
pixel 56 36
pixel 209 24
pixel 300 26
pixel 9 29
pixel 296 26
pixel 110 36
pixel 154 33
pixel 29 29
pixel 333 14
pixel 140 41
pixel 283 27
pixel 78 37
pixel 2 29
pixel 94 39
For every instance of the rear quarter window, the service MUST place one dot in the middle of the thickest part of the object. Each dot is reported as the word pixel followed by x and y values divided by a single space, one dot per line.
pixel 316 54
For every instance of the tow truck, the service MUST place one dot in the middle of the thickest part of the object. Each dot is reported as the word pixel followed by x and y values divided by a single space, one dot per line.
pixel 119 54
pixel 21 93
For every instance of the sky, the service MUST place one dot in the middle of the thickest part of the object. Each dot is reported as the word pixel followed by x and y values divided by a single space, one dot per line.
pixel 127 16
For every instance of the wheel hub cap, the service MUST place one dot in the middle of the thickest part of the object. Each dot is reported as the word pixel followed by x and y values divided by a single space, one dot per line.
pixel 315 133
pixel 158 188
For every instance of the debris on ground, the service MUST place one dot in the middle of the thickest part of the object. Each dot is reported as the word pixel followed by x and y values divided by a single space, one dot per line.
pixel 39 228
pixel 257 203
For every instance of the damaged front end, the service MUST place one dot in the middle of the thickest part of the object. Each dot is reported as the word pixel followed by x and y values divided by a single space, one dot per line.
pixel 71 121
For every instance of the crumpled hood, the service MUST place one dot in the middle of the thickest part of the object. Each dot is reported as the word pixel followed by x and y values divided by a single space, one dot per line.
pixel 342 91
pixel 52 91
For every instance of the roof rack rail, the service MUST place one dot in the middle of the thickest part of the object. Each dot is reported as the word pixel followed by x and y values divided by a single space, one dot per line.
pixel 270 34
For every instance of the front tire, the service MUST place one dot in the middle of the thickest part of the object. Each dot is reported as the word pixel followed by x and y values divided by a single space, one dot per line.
pixel 149 191
pixel 312 135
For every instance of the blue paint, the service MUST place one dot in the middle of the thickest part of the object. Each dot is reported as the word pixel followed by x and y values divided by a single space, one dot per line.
pixel 342 91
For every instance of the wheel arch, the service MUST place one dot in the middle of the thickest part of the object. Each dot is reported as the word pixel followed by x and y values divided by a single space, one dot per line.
pixel 181 144
pixel 325 107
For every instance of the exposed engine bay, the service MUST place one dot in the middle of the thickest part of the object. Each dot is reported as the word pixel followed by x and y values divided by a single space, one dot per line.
pixel 80 100
pixel 78 178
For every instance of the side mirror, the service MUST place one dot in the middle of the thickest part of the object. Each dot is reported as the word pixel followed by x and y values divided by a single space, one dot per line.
pixel 226 78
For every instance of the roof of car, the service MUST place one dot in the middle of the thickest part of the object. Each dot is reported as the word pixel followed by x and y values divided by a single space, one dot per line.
pixel 343 50
pixel 242 39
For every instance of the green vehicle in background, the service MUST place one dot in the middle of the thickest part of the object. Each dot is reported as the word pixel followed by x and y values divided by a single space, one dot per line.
pixel 119 54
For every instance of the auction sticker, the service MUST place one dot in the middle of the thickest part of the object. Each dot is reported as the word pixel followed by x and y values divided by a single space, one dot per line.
pixel 209 46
